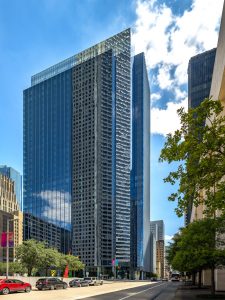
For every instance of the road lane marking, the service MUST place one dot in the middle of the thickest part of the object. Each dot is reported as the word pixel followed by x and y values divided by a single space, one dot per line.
pixel 141 291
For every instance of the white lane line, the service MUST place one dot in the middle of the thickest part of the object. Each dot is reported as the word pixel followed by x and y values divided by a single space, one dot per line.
pixel 141 291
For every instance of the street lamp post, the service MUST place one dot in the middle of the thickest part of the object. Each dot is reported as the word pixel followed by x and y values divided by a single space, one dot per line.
pixel 7 245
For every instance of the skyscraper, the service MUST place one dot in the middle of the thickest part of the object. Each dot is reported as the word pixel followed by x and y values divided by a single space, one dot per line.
pixel 47 160
pixel 9 213
pixel 17 179
pixel 158 229
pixel 140 173
pixel 101 154
pixel 77 154
pixel 200 72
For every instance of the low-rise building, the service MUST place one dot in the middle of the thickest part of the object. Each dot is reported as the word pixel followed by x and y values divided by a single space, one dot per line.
pixel 10 216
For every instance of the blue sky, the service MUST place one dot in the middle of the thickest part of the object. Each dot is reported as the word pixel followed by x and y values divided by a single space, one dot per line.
pixel 36 34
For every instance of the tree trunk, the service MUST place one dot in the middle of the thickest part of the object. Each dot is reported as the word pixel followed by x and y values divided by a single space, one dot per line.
pixel 212 280
pixel 193 278
pixel 200 278
pixel 29 270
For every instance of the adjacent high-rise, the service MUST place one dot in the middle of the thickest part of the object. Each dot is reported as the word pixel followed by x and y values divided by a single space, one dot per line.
pixel 200 72
pixel 140 172
pixel 157 230
pixel 9 214
pixel 101 154
pixel 17 179
pixel 77 154
pixel 47 159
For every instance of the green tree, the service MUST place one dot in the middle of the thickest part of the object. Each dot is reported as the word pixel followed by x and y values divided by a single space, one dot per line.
pixel 30 254
pixel 49 258
pixel 16 267
pixel 199 247
pixel 73 262
pixel 199 147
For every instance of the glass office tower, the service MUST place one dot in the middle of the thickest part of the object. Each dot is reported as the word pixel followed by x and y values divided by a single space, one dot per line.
pixel 200 71
pixel 101 154
pixel 17 178
pixel 140 173
pixel 77 153
pixel 47 160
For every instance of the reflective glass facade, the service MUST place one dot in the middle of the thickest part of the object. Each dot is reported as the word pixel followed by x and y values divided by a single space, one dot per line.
pixel 140 173
pixel 101 153
pixel 17 178
pixel 77 152
pixel 47 154
pixel 200 71
pixel 92 160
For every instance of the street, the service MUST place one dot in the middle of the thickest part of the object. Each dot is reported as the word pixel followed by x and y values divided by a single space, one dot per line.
pixel 114 291
pixel 158 291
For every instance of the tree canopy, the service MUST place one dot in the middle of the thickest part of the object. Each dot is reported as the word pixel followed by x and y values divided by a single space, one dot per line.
pixel 199 146
pixel 36 255
pixel 199 246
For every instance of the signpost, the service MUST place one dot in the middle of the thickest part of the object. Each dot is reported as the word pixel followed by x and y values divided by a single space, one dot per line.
pixel 9 243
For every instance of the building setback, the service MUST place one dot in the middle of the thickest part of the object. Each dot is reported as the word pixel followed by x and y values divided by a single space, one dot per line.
pixel 77 153
pixel 140 172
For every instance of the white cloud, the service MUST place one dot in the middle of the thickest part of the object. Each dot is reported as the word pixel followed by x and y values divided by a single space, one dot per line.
pixel 169 41
pixel 164 79
pixel 164 121
pixel 168 237
pixel 149 34
pixel 56 206
pixel 155 97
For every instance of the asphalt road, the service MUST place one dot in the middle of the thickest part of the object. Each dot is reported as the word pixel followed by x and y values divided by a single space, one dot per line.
pixel 157 291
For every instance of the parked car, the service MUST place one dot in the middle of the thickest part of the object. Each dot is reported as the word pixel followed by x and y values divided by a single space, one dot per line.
pixel 78 283
pixel 13 285
pixel 94 280
pixel 51 283
pixel 165 279
pixel 154 279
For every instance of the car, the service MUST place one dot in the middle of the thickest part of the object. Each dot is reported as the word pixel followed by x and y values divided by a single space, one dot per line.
pixel 175 278
pixel 165 279
pixel 13 285
pixel 154 279
pixel 51 283
pixel 78 282
pixel 94 280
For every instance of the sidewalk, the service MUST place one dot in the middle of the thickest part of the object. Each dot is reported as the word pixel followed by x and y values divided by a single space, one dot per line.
pixel 190 293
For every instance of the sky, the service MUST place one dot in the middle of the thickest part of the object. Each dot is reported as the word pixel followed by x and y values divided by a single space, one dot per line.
pixel 35 34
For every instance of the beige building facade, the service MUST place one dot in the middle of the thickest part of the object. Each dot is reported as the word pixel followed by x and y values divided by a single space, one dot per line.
pixel 10 213
pixel 160 258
